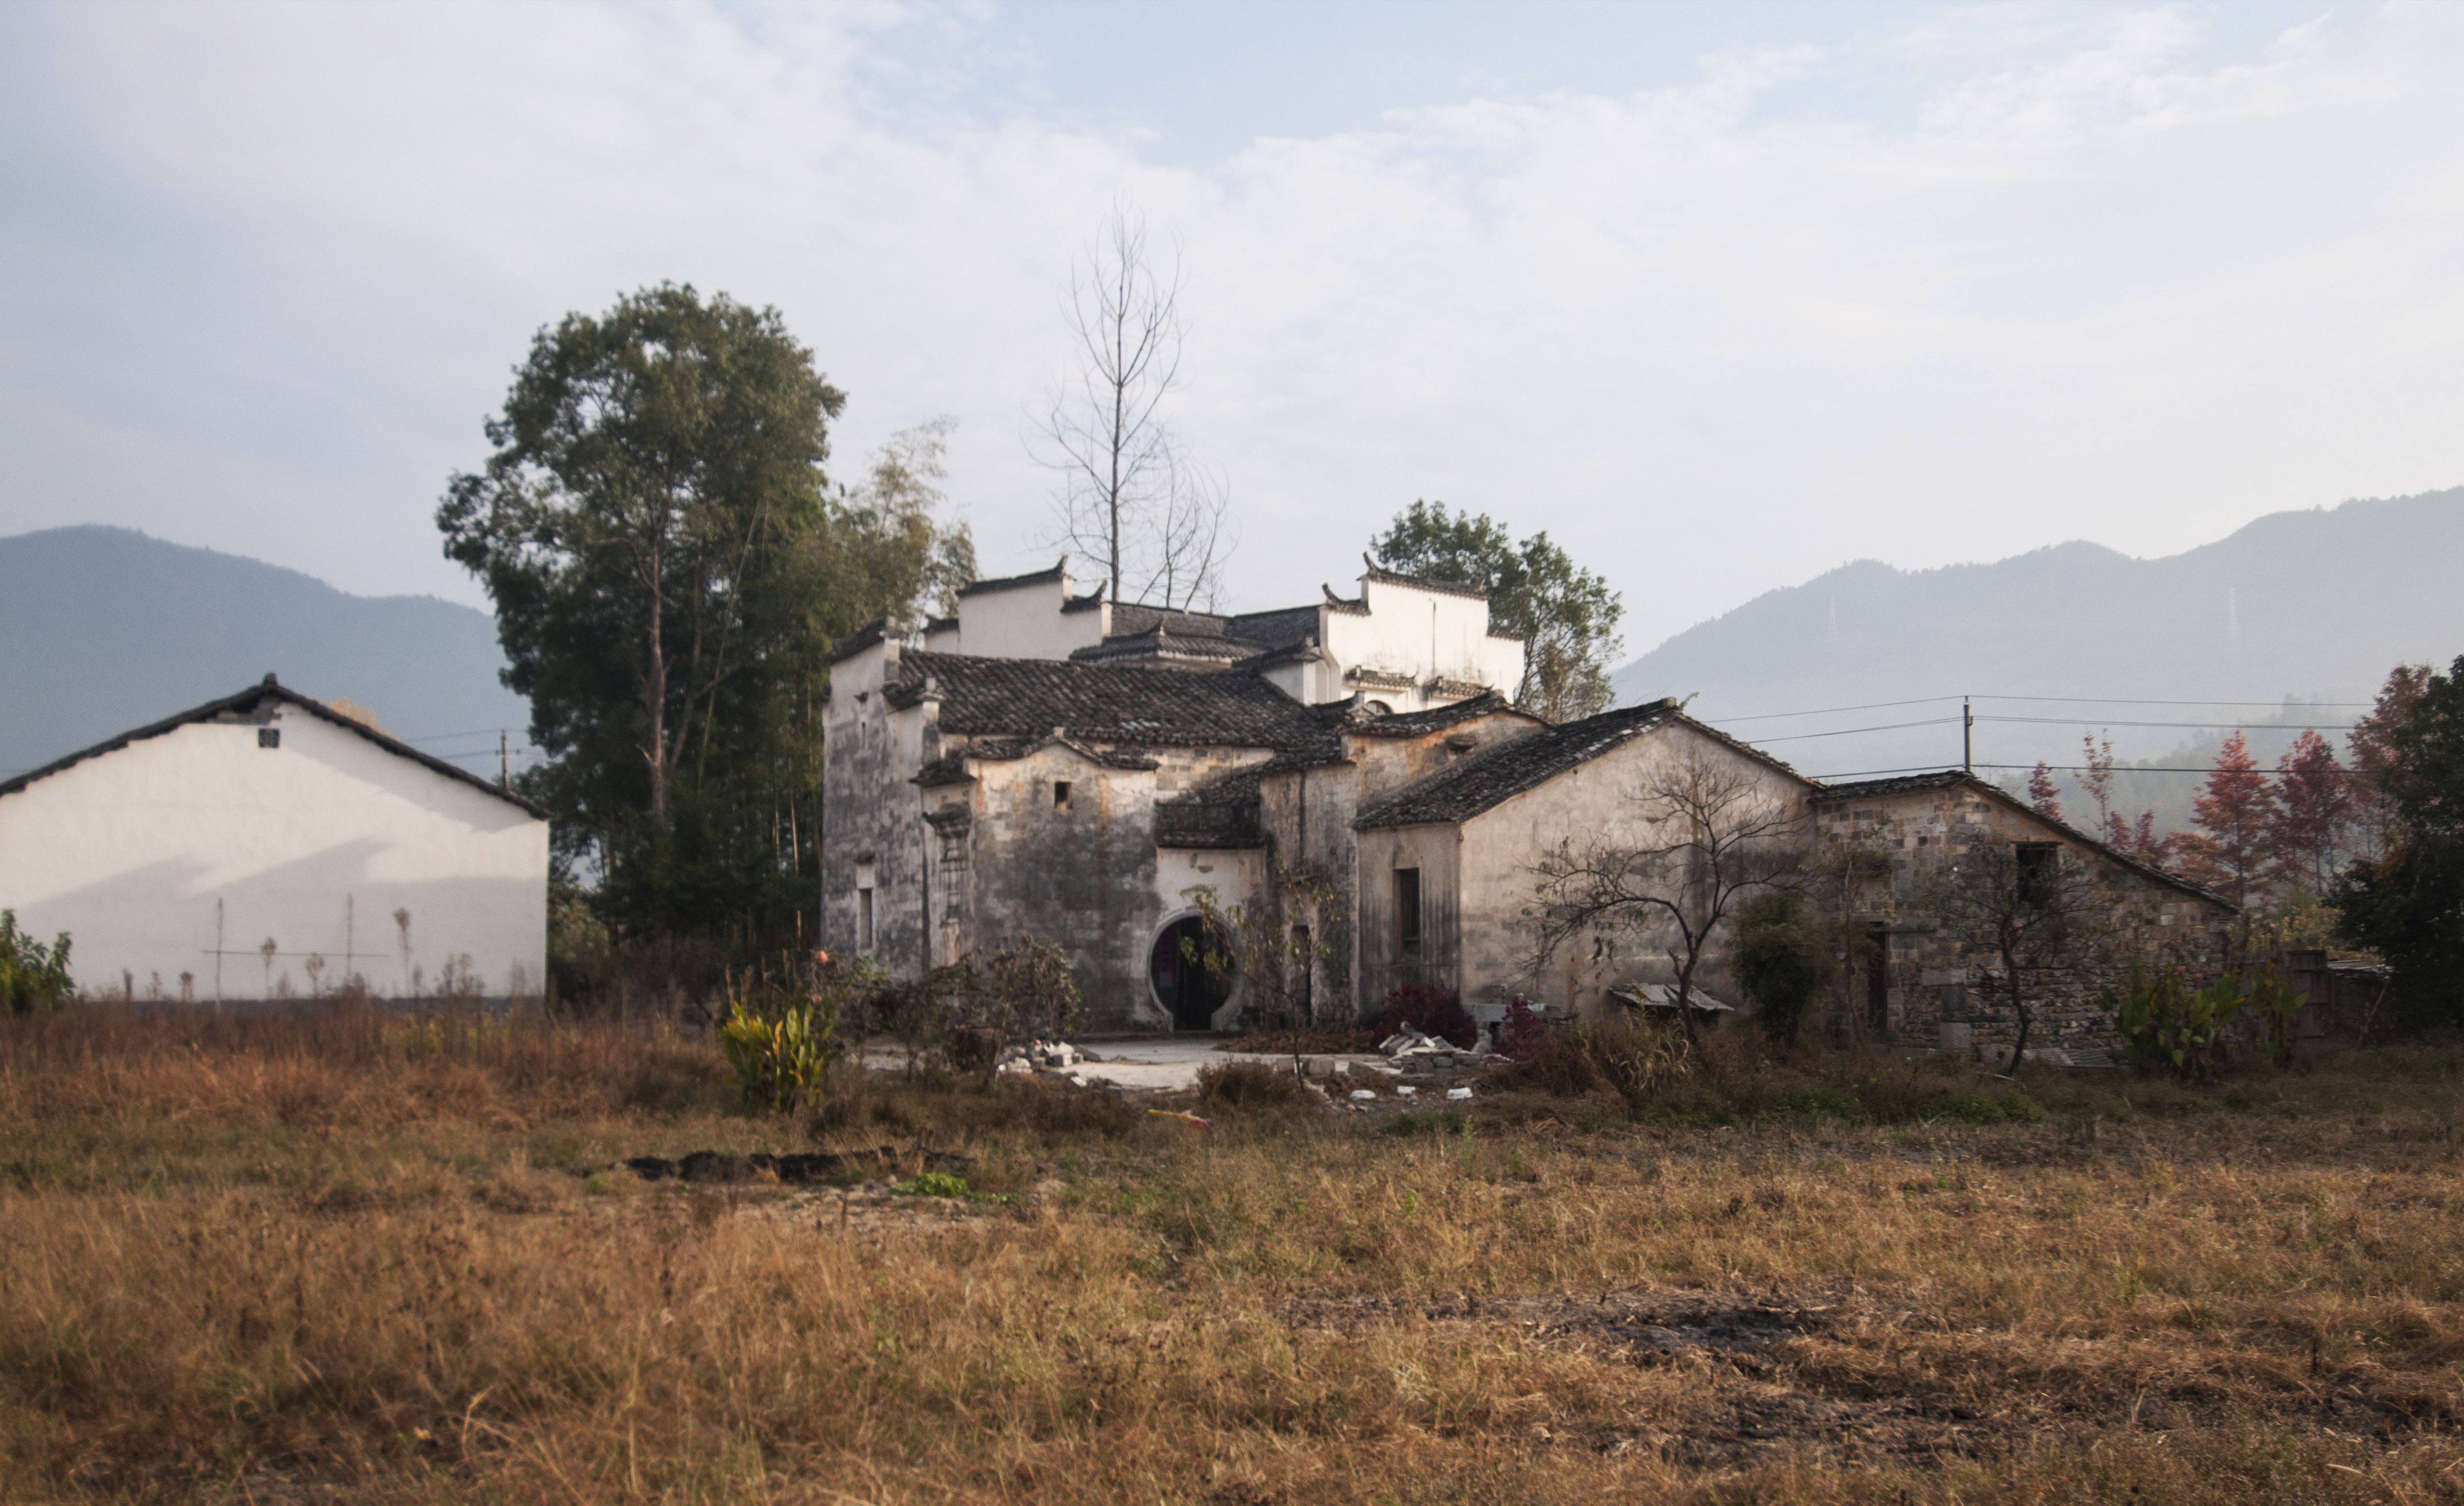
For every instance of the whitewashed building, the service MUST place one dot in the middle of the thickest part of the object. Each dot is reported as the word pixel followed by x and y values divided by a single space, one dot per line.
pixel 265 846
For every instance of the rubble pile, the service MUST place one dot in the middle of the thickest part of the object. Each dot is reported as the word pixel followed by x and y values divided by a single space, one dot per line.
pixel 1418 1049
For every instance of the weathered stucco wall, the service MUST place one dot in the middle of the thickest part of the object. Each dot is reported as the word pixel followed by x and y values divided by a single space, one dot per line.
pixel 1081 873
pixel 872 828
pixel 174 861
pixel 1386 963
pixel 1600 801
pixel 1939 991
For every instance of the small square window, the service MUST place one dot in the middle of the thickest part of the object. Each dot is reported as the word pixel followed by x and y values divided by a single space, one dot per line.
pixel 1060 794
pixel 269 737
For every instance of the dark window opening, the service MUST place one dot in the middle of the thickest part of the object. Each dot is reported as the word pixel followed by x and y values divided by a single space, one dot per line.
pixel 269 737
pixel 2039 871
pixel 1878 980
pixel 1407 914
pixel 863 922
pixel 1060 794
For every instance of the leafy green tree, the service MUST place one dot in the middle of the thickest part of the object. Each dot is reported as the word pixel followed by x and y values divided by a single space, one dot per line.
pixel 1782 960
pixel 1567 615
pixel 2408 905
pixel 668 570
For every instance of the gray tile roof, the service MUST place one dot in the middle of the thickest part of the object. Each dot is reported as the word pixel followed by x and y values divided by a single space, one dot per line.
pixel 251 701
pixel 1103 702
pixel 1006 582
pixel 1493 776
pixel 1220 813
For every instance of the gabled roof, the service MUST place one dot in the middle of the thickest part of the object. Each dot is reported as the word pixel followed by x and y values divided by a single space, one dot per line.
pixel 1220 813
pixel 951 768
pixel 1435 718
pixel 1372 571
pixel 1050 577
pixel 250 700
pixel 1952 778
pixel 1493 776
pixel 1102 702
pixel 1159 643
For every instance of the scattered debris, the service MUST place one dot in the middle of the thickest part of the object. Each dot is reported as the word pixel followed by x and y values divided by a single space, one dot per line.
pixel 713 1167
pixel 1363 1095
pixel 1192 1119
pixel 1459 1095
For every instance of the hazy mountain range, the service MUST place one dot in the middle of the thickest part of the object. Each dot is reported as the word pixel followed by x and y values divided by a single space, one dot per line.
pixel 105 629
pixel 102 630
pixel 2310 606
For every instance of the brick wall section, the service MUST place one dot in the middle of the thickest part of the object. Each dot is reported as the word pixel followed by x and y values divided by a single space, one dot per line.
pixel 1940 993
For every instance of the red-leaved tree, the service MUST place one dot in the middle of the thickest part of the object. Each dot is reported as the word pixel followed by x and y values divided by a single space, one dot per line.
pixel 2314 801
pixel 2043 793
pixel 2237 817
pixel 2373 751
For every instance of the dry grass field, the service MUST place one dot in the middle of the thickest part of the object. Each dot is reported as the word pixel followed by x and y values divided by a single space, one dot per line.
pixel 359 1257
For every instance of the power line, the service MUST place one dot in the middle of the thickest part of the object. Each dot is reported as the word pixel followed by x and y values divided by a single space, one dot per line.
pixel 2081 768
pixel 2244 725
pixel 1849 732
pixel 2115 700
pixel 1880 705
pixel 2271 708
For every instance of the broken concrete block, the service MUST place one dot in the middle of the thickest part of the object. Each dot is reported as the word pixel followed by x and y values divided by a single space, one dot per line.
pixel 1405 1091
pixel 1363 1095
pixel 1458 1094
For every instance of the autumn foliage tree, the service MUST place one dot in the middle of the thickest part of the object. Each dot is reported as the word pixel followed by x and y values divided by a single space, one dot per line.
pixel 2407 901
pixel 2373 746
pixel 2044 795
pixel 2235 817
pixel 2314 812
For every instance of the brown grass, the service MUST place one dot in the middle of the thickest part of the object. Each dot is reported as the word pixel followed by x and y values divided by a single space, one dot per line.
pixel 365 1257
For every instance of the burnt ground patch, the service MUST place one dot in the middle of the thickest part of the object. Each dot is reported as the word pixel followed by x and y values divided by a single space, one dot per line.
pixel 711 1167
pixel 1845 1376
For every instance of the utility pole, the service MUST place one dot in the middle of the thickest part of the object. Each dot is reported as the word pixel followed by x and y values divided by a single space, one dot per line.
pixel 1967 736
pixel 505 761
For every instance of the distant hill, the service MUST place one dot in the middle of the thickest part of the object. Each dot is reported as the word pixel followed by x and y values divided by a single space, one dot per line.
pixel 2314 605
pixel 102 630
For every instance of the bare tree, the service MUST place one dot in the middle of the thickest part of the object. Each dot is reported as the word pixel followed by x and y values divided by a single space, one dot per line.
pixel 1131 499
pixel 1711 832
pixel 2029 906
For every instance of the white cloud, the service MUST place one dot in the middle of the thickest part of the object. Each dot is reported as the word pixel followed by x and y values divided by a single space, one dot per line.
pixel 271 267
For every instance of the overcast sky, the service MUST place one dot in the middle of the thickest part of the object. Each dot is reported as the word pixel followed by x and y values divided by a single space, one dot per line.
pixel 1720 296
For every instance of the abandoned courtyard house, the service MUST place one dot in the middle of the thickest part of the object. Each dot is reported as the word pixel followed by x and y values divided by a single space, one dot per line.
pixel 1889 841
pixel 1352 779
pixel 266 845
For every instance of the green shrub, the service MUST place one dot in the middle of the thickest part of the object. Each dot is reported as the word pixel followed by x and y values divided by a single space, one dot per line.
pixel 1780 962
pixel 781 1037
pixel 2166 1022
pixel 31 976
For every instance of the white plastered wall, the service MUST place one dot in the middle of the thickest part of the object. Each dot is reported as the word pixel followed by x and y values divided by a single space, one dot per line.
pixel 1027 621
pixel 188 852
pixel 1424 634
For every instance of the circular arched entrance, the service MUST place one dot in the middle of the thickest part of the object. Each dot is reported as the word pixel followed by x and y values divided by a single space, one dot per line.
pixel 1191 972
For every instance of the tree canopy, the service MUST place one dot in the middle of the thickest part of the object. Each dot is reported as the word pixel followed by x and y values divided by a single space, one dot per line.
pixel 669 568
pixel 2408 903
pixel 1567 615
